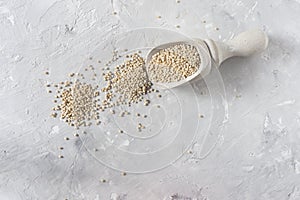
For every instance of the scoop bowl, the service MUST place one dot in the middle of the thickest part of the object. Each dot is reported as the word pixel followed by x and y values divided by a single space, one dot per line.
pixel 244 44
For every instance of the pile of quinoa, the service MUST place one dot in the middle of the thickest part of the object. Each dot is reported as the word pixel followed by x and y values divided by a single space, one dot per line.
pixel 128 82
pixel 174 63
pixel 77 103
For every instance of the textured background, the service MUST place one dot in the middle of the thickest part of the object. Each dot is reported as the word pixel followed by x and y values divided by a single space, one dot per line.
pixel 257 157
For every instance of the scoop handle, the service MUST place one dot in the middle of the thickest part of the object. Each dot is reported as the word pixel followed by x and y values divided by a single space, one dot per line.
pixel 244 44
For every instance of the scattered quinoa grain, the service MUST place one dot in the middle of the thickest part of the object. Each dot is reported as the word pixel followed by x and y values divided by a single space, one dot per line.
pixel 103 180
pixel 147 102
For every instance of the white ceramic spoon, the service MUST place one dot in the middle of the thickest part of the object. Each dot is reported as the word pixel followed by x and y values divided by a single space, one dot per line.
pixel 244 44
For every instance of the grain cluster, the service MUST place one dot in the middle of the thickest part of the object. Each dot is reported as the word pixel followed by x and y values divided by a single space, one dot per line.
pixel 174 63
pixel 77 103
pixel 128 82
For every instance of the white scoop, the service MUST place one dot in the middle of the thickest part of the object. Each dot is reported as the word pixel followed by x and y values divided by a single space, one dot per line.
pixel 244 44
